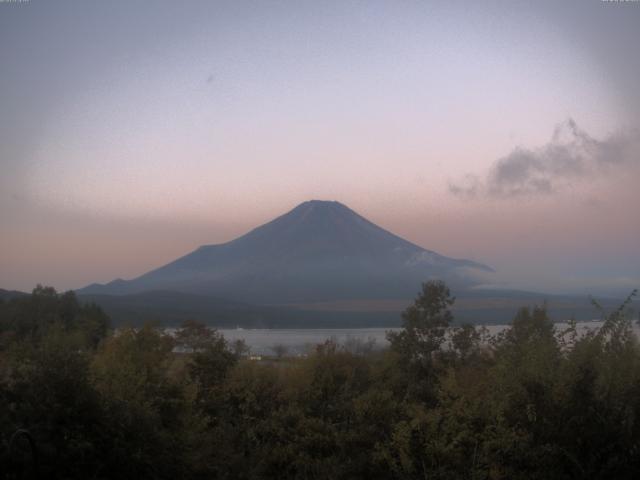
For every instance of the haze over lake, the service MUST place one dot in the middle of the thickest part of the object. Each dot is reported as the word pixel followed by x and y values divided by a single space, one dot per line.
pixel 303 341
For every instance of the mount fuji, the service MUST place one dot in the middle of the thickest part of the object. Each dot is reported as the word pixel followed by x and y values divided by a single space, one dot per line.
pixel 320 251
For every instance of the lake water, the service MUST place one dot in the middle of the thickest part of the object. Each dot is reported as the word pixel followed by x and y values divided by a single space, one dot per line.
pixel 301 341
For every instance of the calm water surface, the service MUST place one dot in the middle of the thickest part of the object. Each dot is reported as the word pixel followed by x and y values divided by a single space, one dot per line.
pixel 300 341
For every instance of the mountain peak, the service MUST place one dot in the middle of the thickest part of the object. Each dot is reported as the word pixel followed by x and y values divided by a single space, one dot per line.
pixel 325 203
pixel 321 205
pixel 321 249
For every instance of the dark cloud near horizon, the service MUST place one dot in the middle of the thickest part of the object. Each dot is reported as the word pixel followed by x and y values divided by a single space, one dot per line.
pixel 572 155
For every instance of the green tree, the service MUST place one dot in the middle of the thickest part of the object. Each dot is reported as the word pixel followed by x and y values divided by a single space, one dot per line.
pixel 417 345
pixel 209 367
pixel 30 318
pixel 146 409
pixel 46 390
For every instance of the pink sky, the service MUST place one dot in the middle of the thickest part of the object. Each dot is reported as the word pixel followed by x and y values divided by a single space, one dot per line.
pixel 134 135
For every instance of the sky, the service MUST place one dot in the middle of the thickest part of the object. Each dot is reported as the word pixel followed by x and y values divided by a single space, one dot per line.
pixel 132 132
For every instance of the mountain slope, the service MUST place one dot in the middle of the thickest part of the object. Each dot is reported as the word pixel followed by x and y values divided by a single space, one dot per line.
pixel 317 251
pixel 9 294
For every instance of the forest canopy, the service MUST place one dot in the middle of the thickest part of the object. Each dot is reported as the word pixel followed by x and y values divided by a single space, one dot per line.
pixel 81 400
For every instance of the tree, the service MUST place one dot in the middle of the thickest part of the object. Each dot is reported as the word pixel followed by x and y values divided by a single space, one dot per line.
pixel 280 350
pixel 32 317
pixel 46 391
pixel 145 408
pixel 424 323
pixel 208 368
pixel 194 336
pixel 465 341
pixel 424 329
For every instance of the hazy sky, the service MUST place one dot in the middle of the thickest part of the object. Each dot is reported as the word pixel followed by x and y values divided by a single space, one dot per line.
pixel 505 132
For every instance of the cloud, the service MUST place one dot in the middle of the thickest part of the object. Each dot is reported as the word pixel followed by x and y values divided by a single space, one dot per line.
pixel 571 155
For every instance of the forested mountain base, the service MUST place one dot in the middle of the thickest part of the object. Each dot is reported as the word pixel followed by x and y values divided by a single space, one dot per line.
pixel 80 401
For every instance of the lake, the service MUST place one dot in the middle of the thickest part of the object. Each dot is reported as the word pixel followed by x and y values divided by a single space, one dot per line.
pixel 300 341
